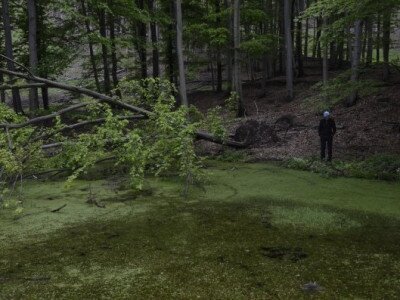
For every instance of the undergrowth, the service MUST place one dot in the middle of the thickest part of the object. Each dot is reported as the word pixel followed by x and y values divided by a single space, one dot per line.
pixel 381 167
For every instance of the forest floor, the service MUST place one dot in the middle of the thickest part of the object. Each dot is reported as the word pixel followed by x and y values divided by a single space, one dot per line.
pixel 255 231
pixel 364 129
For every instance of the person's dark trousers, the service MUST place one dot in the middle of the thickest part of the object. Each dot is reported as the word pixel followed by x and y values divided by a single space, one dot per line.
pixel 326 141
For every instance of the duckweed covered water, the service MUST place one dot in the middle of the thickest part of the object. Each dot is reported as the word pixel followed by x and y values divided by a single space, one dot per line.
pixel 255 231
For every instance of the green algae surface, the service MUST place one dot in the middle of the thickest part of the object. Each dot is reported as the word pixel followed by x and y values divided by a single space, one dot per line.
pixel 254 231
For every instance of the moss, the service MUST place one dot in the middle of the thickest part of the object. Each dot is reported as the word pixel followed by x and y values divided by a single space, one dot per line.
pixel 210 246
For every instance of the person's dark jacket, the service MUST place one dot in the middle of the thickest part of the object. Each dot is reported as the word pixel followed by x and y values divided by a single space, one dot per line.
pixel 327 128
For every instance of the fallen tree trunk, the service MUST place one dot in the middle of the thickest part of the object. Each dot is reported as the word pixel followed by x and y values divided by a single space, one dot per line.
pixel 5 87
pixel 85 123
pixel 80 90
pixel 103 98
pixel 44 118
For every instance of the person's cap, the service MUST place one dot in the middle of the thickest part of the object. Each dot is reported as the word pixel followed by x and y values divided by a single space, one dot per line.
pixel 326 114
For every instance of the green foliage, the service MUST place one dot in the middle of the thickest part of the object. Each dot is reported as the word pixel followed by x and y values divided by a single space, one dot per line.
pixel 232 102
pixel 161 145
pixel 381 167
pixel 338 89
pixel 259 45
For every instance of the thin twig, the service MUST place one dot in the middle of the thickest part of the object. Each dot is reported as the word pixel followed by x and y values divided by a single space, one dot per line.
pixel 18 64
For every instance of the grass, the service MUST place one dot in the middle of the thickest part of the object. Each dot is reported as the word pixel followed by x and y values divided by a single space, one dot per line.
pixel 212 245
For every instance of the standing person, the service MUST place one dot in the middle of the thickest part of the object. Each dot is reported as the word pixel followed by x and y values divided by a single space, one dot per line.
pixel 326 130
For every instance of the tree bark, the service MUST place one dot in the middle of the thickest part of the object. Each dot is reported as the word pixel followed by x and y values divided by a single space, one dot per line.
pixel 103 33
pixel 91 50
pixel 179 50
pixel 142 49
pixel 154 40
pixel 289 50
pixel 355 60
pixel 299 49
pixel 33 57
pixel 386 44
pixel 306 35
pixel 219 60
pixel 237 78
pixel 114 59
pixel 369 42
pixel 378 39
pixel 9 53
pixel 325 67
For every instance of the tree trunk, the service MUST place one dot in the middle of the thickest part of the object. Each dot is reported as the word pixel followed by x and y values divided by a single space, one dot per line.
pixel 386 44
pixel 318 39
pixel 170 46
pixel 103 33
pixel 142 35
pixel 299 49
pixel 237 76
pixel 154 41
pixel 369 42
pixel 281 36
pixel 114 59
pixel 289 50
pixel 378 39
pixel 325 70
pixel 219 60
pixel 9 53
pixel 355 60
pixel 91 50
pixel 306 35
pixel 33 57
pixel 179 50
pixel 229 56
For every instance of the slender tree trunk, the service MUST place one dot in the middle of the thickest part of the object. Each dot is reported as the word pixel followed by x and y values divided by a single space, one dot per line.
pixel 325 66
pixel 229 55
pixel 103 33
pixel 219 60
pixel 154 41
pixel 340 53
pixel 282 40
pixel 114 59
pixel 369 42
pixel 299 49
pixel 364 41
pixel 33 57
pixel 9 53
pixel 237 75
pixel 318 40
pixel 289 50
pixel 355 60
pixel 378 39
pixel 170 46
pixel 91 50
pixel 179 50
pixel 314 48
pixel 45 98
pixel 306 35
pixel 386 44
pixel 142 35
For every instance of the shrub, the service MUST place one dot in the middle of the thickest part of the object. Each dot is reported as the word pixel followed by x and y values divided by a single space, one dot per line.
pixel 381 167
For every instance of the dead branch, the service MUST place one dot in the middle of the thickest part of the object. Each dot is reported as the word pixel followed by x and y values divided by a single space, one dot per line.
pixel 5 87
pixel 80 90
pixel 44 118
pixel 58 209
pixel 85 123
pixel 18 64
